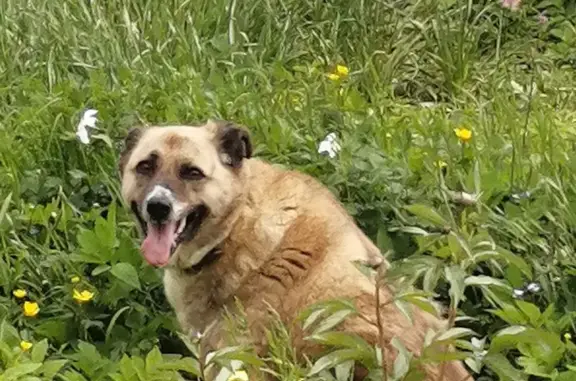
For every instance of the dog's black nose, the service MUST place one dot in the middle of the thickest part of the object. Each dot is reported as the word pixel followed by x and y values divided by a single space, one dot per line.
pixel 158 209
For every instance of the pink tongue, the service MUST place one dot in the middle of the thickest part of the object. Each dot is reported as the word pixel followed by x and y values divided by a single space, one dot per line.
pixel 158 243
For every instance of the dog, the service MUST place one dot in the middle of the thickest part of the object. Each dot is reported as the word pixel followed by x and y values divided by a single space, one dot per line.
pixel 228 227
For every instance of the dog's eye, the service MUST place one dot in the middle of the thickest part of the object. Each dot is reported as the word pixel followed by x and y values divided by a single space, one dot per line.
pixel 188 172
pixel 146 167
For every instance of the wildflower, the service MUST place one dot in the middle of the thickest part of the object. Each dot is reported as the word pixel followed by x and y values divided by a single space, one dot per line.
pixel 239 375
pixel 75 279
pixel 88 120
pixel 440 164
pixel 463 134
pixel 518 293
pixel 19 293
pixel 329 146
pixel 567 336
pixel 339 72
pixel 25 345
pixel 30 309
pixel 533 287
pixel 513 5
pixel 463 198
pixel 84 296
pixel 342 71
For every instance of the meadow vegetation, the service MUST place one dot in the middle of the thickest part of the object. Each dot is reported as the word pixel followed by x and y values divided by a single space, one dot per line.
pixel 456 121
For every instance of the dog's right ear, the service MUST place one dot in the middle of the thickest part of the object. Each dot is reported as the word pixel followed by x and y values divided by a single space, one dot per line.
pixel 130 141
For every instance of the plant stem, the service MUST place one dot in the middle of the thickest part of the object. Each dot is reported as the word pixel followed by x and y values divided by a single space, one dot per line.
pixel 381 338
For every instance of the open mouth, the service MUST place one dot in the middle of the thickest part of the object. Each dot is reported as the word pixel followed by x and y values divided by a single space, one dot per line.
pixel 162 239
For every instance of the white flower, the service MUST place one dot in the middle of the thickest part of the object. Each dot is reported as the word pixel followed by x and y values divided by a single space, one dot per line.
pixel 329 146
pixel 88 120
pixel 463 198
pixel 533 287
pixel 518 293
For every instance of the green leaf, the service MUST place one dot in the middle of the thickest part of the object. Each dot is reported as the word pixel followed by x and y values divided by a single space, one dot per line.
pixel 334 358
pixel 39 351
pixel 510 315
pixel 5 205
pixel 332 321
pixel 517 262
pixel 51 367
pixel 341 339
pixel 15 373
pixel 127 274
pixel 531 311
pixel 455 333
pixel 421 302
pixel 100 270
pixel 402 361
pixel 153 359
pixel 507 338
pixel 483 280
pixel 455 276
pixel 105 232
pixel 500 365
pixel 428 214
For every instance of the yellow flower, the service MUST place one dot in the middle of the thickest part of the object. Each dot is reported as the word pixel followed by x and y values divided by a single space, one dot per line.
pixel 440 164
pixel 342 71
pixel 239 375
pixel 75 279
pixel 567 336
pixel 84 296
pixel 19 293
pixel 30 309
pixel 463 134
pixel 25 345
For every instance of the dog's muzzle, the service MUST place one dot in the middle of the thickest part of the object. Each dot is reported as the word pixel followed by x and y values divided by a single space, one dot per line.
pixel 159 205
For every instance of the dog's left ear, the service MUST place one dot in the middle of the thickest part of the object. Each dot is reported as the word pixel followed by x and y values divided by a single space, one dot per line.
pixel 130 142
pixel 234 143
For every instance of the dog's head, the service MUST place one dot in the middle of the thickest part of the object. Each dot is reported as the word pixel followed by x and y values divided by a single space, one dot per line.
pixel 181 181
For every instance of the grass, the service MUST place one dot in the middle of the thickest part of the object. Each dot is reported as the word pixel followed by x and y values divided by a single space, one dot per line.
pixel 417 71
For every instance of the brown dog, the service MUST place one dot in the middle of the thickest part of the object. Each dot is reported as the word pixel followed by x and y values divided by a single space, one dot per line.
pixel 226 226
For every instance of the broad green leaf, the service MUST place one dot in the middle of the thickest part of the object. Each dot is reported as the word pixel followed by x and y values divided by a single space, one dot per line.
pixel 50 367
pixel 428 214
pixel 532 312
pixel 341 339
pixel 500 365
pixel 100 270
pixel 402 361
pixel 334 358
pixel 422 303
pixel 153 359
pixel 16 373
pixel 483 280
pixel 332 321
pixel 126 273
pixel 455 276
pixel 517 261
pixel 508 337
pixel 510 315
pixel 39 351
pixel 455 333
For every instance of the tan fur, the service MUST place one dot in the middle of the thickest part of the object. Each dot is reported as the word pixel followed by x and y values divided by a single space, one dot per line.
pixel 285 242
